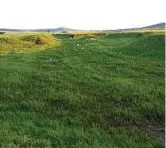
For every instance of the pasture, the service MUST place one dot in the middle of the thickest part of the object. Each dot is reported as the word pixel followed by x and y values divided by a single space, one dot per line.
pixel 108 92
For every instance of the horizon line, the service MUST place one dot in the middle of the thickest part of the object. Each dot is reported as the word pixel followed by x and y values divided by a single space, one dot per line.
pixel 80 29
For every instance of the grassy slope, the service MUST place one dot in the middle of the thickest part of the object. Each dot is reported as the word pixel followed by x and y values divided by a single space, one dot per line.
pixel 26 42
pixel 108 94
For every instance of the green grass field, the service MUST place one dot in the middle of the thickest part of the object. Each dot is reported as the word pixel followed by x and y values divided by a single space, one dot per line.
pixel 108 92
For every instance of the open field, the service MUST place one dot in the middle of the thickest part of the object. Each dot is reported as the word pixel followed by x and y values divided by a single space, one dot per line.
pixel 101 92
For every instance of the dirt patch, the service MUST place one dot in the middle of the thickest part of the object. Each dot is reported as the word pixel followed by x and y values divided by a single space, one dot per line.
pixel 38 41
pixel 156 132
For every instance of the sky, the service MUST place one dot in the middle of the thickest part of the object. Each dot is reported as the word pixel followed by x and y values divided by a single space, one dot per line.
pixel 81 14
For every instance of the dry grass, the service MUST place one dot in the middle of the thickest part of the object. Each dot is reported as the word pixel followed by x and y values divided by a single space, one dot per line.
pixel 156 31
pixel 26 42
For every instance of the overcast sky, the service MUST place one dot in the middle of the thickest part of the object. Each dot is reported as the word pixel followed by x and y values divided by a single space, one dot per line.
pixel 80 14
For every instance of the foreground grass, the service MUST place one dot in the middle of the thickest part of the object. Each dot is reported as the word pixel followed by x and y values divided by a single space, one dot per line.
pixel 107 92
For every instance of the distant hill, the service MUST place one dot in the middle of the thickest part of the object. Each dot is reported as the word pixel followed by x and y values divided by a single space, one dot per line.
pixel 60 29
pixel 63 29
pixel 156 26
pixel 6 29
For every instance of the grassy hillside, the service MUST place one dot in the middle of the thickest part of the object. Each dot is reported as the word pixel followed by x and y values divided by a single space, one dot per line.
pixel 105 92
pixel 25 42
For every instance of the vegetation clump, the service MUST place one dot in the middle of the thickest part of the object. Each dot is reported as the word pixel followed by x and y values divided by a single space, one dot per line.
pixel 2 32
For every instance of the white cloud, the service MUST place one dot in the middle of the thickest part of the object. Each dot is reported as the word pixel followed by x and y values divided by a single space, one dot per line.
pixel 80 14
